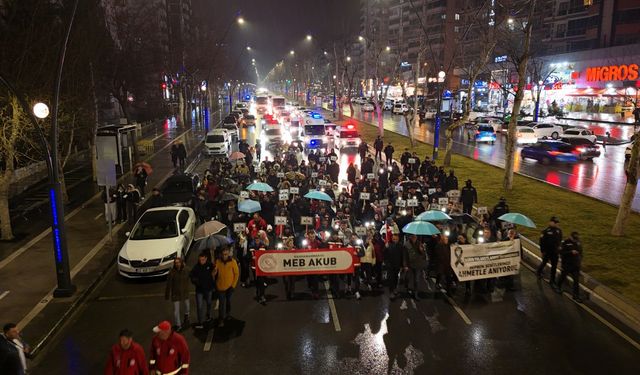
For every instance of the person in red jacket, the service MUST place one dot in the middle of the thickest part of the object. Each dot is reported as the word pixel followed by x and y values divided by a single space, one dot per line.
pixel 126 357
pixel 169 351
pixel 256 224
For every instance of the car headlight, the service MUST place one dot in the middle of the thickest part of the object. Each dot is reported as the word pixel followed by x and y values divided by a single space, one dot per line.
pixel 170 257
pixel 358 141
pixel 122 260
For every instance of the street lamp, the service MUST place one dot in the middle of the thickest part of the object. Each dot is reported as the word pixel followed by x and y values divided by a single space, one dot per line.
pixel 292 52
pixel 388 49
pixel 240 21
pixel 41 110
pixel 309 37
pixel 348 58
pixel 436 130
pixel 360 38
pixel 248 48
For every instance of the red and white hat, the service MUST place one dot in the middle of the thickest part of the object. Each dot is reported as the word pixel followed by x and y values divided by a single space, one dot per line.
pixel 164 325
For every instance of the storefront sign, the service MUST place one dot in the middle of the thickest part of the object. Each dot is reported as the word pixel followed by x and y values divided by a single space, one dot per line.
pixel 485 261
pixel 613 73
pixel 304 262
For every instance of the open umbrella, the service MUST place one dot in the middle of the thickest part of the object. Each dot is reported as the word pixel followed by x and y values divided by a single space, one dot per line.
pixel 423 228
pixel 208 229
pixel 260 186
pixel 229 197
pixel 249 206
pixel 433 215
pixel 213 241
pixel 519 219
pixel 145 165
pixel 319 195
pixel 236 155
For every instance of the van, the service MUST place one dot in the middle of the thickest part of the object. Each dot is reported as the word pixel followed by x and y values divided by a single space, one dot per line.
pixel 217 142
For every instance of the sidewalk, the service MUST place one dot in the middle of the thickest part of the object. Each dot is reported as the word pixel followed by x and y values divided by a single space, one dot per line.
pixel 27 276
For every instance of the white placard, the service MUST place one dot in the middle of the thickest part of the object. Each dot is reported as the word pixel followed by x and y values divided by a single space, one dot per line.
pixel 442 201
pixel 482 210
pixel 365 196
pixel 322 182
pixel 401 203
pixel 322 159
pixel 239 227
pixel 314 174
pixel 334 158
pixel 486 260
pixel 244 194
pixel 411 160
pixel 434 207
pixel 360 231
pixel 431 191
pixel 294 190
pixel 280 220
pixel 383 202
pixel 371 176
pixel 398 188
pixel 413 202
pixel 284 197
pixel 453 193
pixel 280 175
pixel 306 220
pixel 284 191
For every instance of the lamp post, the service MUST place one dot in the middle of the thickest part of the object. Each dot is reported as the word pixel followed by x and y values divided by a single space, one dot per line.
pixel 436 130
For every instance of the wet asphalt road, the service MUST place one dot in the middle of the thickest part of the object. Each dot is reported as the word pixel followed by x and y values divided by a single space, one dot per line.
pixel 603 178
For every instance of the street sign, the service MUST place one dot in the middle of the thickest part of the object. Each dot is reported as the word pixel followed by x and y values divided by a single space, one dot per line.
pixel 280 220
pixel 239 227
pixel 306 220
pixel 364 196
pixel 294 190
pixel 106 172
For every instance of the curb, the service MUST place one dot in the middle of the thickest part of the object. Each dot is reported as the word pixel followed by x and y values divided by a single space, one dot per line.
pixel 92 286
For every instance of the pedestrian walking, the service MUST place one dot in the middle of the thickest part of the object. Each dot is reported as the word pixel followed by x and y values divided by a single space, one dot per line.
pixel 363 148
pixel 202 276
pixel 110 199
pixel 126 357
pixel 132 198
pixel 395 261
pixel 388 153
pixel 141 180
pixel 182 154
pixel 550 241
pixel 416 263
pixel 121 203
pixel 605 140
pixel 368 261
pixel 468 196
pixel 227 275
pixel 258 148
pixel 378 145
pixel 13 351
pixel 174 155
pixel 177 291
pixel 571 253
pixel 169 351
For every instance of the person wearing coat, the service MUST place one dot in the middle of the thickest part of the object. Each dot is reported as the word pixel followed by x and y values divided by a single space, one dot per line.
pixel 396 260
pixel 141 180
pixel 227 275
pixel 201 276
pixel 571 253
pixel 368 260
pixel 442 261
pixel 416 261
pixel 177 291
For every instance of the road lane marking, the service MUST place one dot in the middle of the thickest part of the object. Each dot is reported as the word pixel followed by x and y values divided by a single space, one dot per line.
pixel 209 342
pixel 45 301
pixel 98 216
pixel 332 307
pixel 4 294
pixel 456 307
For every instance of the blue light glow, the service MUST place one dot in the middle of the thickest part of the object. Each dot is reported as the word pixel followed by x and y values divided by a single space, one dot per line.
pixel 55 230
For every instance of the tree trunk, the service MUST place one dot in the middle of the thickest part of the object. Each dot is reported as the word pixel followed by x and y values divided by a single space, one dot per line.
pixel 624 210
pixel 416 115
pixel 380 114
pixel 94 128
pixel 5 216
pixel 180 108
pixel 507 182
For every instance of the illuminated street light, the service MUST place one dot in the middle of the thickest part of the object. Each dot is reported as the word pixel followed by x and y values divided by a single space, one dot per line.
pixel 360 38
pixel 253 60
pixel 240 21
pixel 388 48
pixel 309 37
pixel 292 52
pixel 510 20
pixel 325 53
pixel 248 48
pixel 41 110
pixel 348 58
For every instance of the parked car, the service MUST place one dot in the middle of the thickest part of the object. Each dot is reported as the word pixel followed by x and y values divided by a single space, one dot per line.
pixel 388 105
pixel 526 135
pixel 579 133
pixel 547 152
pixel 249 120
pixel 583 147
pixel 400 108
pixel 368 107
pixel 217 142
pixel 232 129
pixel 179 190
pixel 485 133
pixel 159 236
pixel 545 131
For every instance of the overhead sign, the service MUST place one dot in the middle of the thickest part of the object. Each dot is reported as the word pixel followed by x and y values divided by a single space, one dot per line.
pixel 485 261
pixel 304 262
pixel 613 73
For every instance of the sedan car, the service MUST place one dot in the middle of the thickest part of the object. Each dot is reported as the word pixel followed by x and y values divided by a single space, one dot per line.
pixel 579 133
pixel 485 133
pixel 550 151
pixel 584 148
pixel 249 120
pixel 232 129
pixel 545 131
pixel 368 107
pixel 526 135
pixel 179 190
pixel 160 235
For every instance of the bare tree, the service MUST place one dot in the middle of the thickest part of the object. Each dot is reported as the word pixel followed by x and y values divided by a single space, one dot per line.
pixel 626 201
pixel 540 72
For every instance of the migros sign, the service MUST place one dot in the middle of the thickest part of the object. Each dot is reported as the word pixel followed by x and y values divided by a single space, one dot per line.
pixel 613 73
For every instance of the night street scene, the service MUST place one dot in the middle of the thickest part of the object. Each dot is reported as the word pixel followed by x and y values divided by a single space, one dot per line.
pixel 319 187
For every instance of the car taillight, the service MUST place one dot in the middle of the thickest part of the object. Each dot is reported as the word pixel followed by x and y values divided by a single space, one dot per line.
pixel 555 153
pixel 581 149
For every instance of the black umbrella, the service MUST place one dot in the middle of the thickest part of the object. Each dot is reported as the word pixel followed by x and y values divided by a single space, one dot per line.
pixel 229 197
pixel 212 242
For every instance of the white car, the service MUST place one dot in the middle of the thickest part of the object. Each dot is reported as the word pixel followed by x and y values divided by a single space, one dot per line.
pixel 388 105
pixel 217 142
pixel 526 135
pixel 430 113
pixel 232 129
pixel 160 235
pixel 273 135
pixel 346 137
pixel 546 131
pixel 400 108
pixel 368 107
pixel 580 133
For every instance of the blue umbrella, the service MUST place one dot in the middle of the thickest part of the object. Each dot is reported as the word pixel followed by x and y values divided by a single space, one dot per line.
pixel 519 219
pixel 319 195
pixel 260 186
pixel 249 206
pixel 433 215
pixel 423 228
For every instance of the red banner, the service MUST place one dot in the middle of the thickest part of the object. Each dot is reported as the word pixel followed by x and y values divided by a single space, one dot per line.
pixel 305 262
